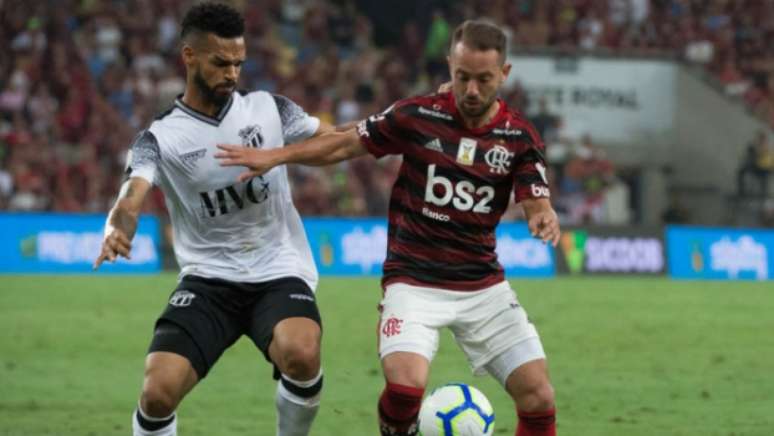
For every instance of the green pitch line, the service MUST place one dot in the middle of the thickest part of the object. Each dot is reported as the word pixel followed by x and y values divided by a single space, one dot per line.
pixel 627 356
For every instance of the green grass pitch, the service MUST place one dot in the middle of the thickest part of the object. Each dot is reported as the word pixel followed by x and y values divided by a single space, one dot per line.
pixel 628 357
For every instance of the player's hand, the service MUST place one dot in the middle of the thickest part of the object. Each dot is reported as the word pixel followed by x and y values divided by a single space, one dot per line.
pixel 445 87
pixel 545 226
pixel 115 244
pixel 258 161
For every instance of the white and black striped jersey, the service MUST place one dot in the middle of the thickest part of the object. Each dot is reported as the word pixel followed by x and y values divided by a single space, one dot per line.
pixel 238 231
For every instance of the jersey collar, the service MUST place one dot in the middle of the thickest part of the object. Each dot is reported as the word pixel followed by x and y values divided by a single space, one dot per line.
pixel 215 121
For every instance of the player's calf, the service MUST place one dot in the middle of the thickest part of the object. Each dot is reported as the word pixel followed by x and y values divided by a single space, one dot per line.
pixel 535 408
pixel 297 403
pixel 534 397
pixel 398 410
pixel 295 350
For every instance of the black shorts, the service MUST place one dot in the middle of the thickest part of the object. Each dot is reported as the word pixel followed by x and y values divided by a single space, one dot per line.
pixel 206 316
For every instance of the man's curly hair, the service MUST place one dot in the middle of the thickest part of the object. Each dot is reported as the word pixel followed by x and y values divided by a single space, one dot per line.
pixel 218 18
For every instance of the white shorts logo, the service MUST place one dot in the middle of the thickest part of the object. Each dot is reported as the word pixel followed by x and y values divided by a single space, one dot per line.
pixel 182 298
pixel 301 297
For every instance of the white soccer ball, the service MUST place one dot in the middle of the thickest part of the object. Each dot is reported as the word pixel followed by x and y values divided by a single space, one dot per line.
pixel 456 409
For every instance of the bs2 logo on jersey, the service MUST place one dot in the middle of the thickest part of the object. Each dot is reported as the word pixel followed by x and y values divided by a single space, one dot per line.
pixel 440 191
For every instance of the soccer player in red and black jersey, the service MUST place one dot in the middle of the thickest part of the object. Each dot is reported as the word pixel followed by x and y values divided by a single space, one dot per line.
pixel 464 153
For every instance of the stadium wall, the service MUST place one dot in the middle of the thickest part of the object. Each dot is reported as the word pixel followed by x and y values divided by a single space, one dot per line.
pixel 628 106
pixel 712 133
pixel 656 115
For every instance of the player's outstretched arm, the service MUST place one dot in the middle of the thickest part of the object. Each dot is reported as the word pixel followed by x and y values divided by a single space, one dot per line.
pixel 542 220
pixel 324 149
pixel 122 221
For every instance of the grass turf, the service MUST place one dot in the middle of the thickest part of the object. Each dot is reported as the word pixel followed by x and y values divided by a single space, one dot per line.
pixel 628 356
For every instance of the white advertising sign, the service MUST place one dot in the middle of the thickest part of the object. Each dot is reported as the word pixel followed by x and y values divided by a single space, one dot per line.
pixel 614 100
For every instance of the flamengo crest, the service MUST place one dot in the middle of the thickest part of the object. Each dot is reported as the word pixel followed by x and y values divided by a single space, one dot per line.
pixel 498 159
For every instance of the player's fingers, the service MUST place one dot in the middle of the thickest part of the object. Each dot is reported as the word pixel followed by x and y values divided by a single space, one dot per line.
pixel 110 254
pixel 107 252
pixel 123 240
pixel 121 246
pixel 551 234
pixel 546 228
pixel 555 240
pixel 229 147
pixel 534 227
pixel 235 154
pixel 98 261
pixel 122 251
pixel 231 162
pixel 247 175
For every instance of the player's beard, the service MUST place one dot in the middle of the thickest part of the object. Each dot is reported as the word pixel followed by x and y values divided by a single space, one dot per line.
pixel 477 112
pixel 209 94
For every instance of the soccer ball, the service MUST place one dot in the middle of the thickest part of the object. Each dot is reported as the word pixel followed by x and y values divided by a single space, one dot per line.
pixel 456 409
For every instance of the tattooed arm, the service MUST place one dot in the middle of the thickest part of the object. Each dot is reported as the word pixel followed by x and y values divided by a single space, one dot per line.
pixel 122 220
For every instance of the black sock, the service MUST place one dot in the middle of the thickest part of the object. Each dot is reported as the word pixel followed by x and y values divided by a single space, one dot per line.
pixel 153 425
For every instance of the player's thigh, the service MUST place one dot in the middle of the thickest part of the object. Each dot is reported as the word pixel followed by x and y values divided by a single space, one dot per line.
pixel 168 378
pixel 490 323
pixel 406 368
pixel 530 387
pixel 523 365
pixel 200 321
pixel 285 319
pixel 410 319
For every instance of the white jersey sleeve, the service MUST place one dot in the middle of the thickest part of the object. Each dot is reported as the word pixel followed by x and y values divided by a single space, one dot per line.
pixel 297 125
pixel 144 157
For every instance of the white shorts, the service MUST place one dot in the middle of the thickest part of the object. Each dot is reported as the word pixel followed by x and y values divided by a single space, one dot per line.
pixel 485 323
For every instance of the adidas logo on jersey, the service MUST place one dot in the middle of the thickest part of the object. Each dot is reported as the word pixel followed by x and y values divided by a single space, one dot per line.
pixel 434 145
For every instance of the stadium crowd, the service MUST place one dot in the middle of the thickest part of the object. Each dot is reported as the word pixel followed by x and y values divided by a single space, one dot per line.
pixel 79 78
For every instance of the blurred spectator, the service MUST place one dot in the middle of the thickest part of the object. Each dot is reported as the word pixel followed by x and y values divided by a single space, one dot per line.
pixel 675 212
pixel 757 163
pixel 79 78
pixel 586 177
pixel 544 120
pixel 436 47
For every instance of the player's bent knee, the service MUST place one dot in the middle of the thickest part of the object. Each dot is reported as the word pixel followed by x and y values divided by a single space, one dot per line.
pixel 406 369
pixel 168 378
pixel 301 360
pixel 158 401
pixel 536 398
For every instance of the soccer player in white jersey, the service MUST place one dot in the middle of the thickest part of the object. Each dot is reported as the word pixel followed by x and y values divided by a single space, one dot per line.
pixel 246 267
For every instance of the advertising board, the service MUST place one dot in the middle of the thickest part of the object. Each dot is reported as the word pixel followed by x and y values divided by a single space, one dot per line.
pixel 720 253
pixel 69 243
pixel 351 247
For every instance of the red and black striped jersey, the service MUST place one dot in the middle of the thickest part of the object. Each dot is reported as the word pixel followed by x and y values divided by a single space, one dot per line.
pixel 453 186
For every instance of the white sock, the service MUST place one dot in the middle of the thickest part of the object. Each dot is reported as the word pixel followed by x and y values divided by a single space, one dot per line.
pixel 169 429
pixel 296 410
